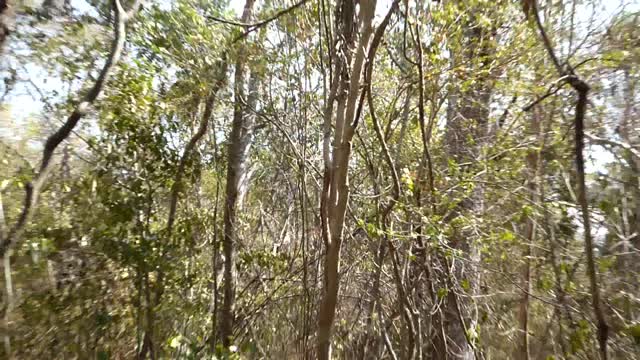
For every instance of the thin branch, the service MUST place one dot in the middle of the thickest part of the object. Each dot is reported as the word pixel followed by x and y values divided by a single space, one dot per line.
pixel 387 155
pixel 545 39
pixel 553 89
pixel 623 145
pixel 202 129
pixel 251 27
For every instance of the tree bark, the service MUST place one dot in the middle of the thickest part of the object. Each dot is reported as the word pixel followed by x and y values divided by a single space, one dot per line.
pixel 627 129
pixel 353 34
pixel 467 118
pixel 5 23
pixel 8 293
pixel 237 151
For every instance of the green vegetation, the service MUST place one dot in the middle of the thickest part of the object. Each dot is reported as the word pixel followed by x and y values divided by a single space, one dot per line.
pixel 319 179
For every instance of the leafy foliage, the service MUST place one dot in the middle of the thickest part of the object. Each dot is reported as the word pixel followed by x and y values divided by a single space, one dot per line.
pixel 481 248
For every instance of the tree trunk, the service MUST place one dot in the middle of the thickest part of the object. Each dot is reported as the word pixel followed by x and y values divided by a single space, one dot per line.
pixel 5 20
pixel 237 152
pixel 8 293
pixel 467 118
pixel 627 131
pixel 354 33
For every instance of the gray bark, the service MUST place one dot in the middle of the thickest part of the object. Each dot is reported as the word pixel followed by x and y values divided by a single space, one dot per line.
pixel 5 23
pixel 467 118
pixel 237 162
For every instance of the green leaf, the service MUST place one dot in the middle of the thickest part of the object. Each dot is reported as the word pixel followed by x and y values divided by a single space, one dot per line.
pixel 465 284
pixel 442 292
pixel 634 332
pixel 507 236
pixel 175 342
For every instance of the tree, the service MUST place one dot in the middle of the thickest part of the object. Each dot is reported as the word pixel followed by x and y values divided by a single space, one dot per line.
pixel 237 155
pixel 319 179
pixel 352 44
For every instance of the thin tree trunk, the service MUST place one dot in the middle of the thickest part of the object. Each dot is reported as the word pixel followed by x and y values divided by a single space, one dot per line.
pixel 238 151
pixel 8 294
pixel 349 62
pixel 214 271
pixel 6 266
pixel 628 129
pixel 601 324
pixel 306 300
pixel 5 26
pixel 386 210
pixel 176 189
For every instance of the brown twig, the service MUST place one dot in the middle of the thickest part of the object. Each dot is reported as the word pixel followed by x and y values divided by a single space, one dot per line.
pixel 251 27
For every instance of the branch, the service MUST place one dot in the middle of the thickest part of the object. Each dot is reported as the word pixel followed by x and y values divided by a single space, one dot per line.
pixel 623 145
pixel 202 130
pixel 33 188
pixel 250 27
pixel 373 48
pixel 555 87
pixel 545 39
